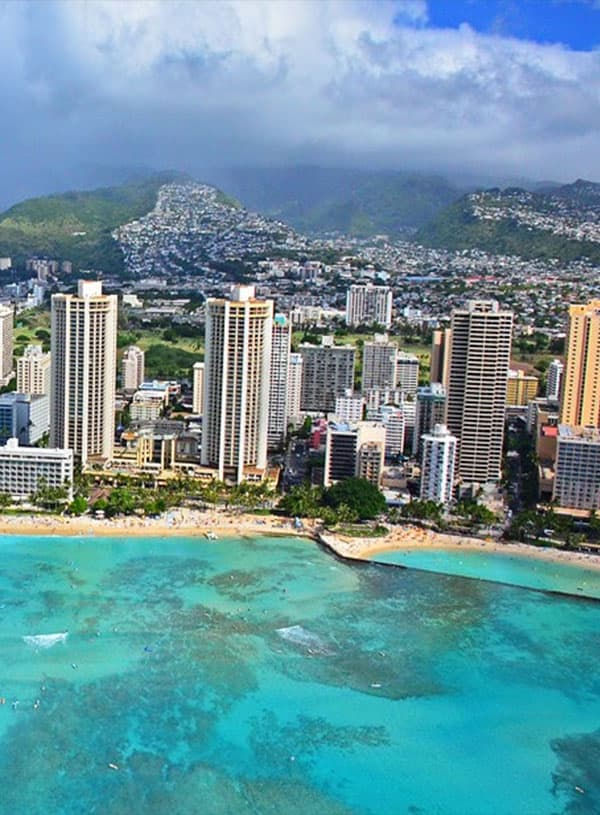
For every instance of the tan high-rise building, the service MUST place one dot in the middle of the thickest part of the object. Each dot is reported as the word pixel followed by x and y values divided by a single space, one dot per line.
pixel 521 389
pixel 7 323
pixel 132 368
pixel 198 389
pixel 33 371
pixel 479 360
pixel 236 384
pixel 84 358
pixel 440 356
pixel 581 376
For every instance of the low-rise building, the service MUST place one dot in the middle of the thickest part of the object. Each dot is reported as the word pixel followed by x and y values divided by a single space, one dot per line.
pixel 23 470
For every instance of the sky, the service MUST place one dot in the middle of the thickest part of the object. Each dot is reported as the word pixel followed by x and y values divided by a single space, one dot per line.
pixel 507 88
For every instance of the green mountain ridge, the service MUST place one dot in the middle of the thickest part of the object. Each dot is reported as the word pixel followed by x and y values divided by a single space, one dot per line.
pixel 532 225
pixel 359 203
pixel 77 225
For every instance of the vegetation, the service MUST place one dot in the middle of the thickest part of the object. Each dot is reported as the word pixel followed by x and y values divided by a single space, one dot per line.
pixel 356 494
pixel 77 226
pixel 362 203
pixel 345 502
pixel 423 511
pixel 456 227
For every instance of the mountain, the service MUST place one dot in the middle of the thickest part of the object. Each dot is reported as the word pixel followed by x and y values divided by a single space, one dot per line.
pixel 194 226
pixel 77 225
pixel 560 222
pixel 317 200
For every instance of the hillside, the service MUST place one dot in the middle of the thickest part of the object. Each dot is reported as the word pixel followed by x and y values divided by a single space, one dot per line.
pixel 562 223
pixel 77 225
pixel 360 203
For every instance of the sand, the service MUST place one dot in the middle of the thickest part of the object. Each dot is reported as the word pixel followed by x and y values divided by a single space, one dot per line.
pixel 226 523
pixel 414 537
pixel 183 522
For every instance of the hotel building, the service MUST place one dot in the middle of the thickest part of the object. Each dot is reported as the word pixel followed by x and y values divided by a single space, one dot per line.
pixel 236 385
pixel 479 360
pixel 84 352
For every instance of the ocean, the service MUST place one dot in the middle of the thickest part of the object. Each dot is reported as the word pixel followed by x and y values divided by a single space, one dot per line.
pixel 263 675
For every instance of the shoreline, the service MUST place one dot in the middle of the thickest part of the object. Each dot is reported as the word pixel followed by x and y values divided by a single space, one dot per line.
pixel 177 522
pixel 413 538
pixel 223 523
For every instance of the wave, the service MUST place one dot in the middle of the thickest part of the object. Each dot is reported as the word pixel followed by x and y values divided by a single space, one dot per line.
pixel 298 635
pixel 45 640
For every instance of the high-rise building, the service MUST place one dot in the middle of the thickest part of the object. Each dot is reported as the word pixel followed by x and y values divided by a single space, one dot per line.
pixel 280 363
pixel 349 407
pixel 407 373
pixel 520 389
pixel 577 477
pixel 236 384
pixel 581 380
pixel 7 320
pixel 437 465
pixel 33 371
pixel 84 356
pixel 198 389
pixel 394 421
pixel 554 379
pixel 430 410
pixel 369 304
pixel 294 394
pixel 480 356
pixel 440 356
pixel 327 372
pixel 354 450
pixel 133 368
pixel 379 363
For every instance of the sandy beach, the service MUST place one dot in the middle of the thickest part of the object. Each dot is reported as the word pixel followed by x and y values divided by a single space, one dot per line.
pixel 184 522
pixel 414 537
pixel 225 523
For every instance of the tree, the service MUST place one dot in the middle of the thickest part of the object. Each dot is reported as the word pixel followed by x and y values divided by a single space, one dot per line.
pixel 50 497
pixel 121 501
pixel 423 511
pixel 5 500
pixel 78 505
pixel 303 501
pixel 359 496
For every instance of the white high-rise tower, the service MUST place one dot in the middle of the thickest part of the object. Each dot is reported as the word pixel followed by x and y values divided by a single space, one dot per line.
pixel 84 354
pixel 133 368
pixel 236 384
pixel 280 363
pixel 437 465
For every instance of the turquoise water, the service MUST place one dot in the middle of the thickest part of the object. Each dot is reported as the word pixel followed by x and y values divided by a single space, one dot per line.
pixel 500 567
pixel 264 676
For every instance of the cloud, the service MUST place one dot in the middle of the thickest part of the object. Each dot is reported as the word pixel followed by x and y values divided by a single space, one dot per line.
pixel 183 84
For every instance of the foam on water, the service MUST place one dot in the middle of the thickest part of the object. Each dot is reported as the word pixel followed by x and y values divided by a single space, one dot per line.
pixel 45 640
pixel 237 676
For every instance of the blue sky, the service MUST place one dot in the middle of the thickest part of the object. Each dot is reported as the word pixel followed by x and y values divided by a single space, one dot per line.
pixel 501 89
pixel 575 23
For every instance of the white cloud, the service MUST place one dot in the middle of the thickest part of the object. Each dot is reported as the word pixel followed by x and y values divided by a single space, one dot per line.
pixel 184 83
